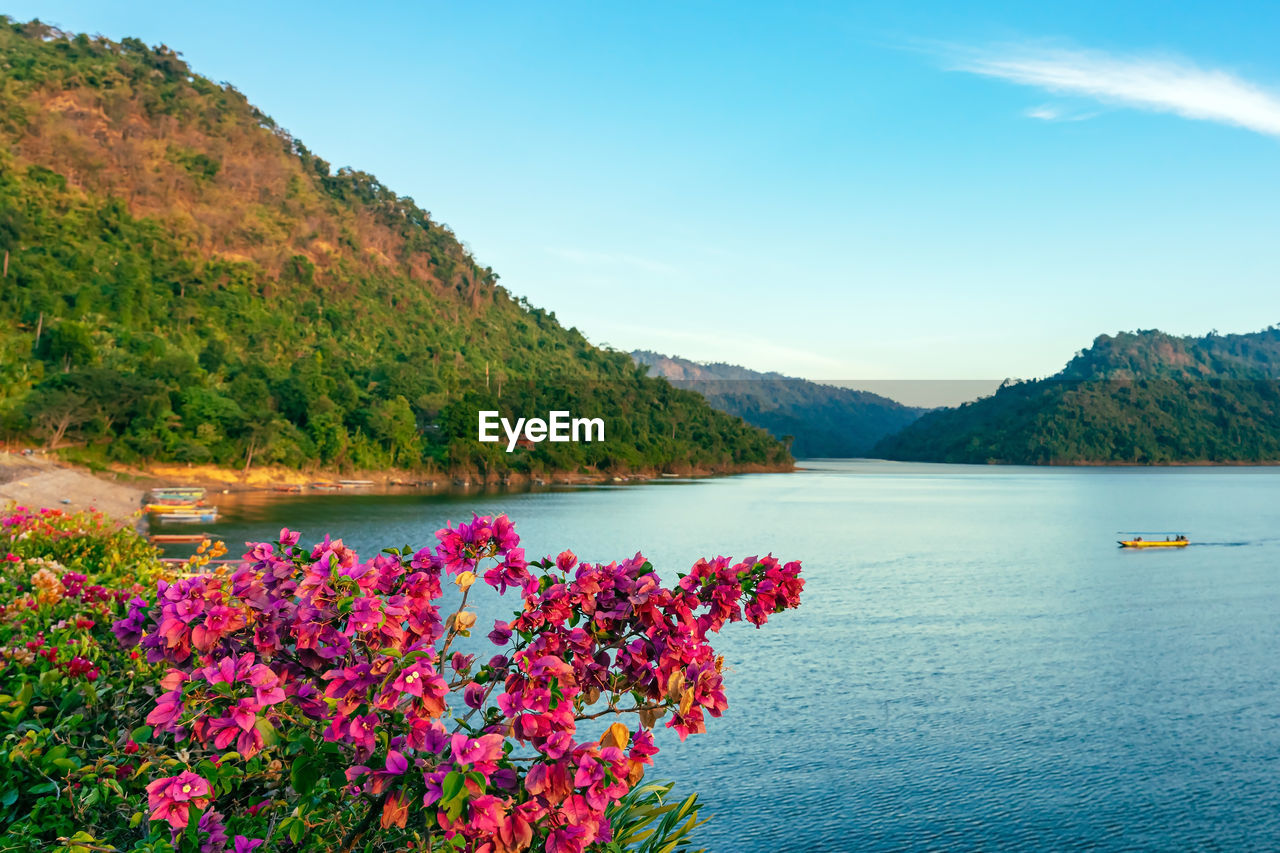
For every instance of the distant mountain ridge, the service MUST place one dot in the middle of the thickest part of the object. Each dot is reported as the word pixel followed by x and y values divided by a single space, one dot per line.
pixel 1142 397
pixel 824 420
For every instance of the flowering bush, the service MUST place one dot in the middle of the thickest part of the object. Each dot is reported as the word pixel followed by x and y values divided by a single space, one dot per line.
pixel 320 701
pixel 69 694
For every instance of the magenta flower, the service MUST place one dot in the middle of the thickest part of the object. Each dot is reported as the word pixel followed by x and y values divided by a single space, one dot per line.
pixel 501 634
pixel 210 825
pixel 129 629
pixel 171 798
pixel 167 712
pixel 266 686
pixel 473 695
pixel 480 753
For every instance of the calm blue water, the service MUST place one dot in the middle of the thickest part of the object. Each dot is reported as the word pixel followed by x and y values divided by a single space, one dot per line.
pixel 976 665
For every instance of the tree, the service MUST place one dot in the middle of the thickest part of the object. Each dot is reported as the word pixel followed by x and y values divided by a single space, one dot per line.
pixel 55 412
pixel 69 344
pixel 393 424
pixel 10 226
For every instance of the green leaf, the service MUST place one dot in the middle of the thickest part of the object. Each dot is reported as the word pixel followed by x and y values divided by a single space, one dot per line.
pixel 192 834
pixel 304 774
pixel 270 737
pixel 141 734
pixel 452 786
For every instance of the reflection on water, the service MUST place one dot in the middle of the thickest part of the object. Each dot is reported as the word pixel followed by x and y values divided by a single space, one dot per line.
pixel 975 665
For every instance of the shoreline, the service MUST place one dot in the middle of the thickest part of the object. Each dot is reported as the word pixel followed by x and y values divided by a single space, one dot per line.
pixel 46 480
pixel 269 478
pixel 39 481
pixel 290 481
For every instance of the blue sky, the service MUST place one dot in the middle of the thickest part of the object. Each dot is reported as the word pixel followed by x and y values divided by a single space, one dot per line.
pixel 842 191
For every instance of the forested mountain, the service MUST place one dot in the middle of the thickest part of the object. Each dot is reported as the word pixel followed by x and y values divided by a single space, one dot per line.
pixel 183 280
pixel 824 420
pixel 1138 397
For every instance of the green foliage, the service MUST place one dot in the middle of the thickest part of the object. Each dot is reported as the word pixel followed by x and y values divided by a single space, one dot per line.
pixel 1138 398
pixel 72 754
pixel 187 282
pixel 649 820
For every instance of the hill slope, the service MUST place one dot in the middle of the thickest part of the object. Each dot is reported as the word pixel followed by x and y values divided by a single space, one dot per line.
pixel 824 420
pixel 1138 397
pixel 183 280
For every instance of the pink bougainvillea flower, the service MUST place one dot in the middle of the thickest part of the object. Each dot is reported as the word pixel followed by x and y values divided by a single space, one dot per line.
pixel 171 798
pixel 473 695
pixel 480 753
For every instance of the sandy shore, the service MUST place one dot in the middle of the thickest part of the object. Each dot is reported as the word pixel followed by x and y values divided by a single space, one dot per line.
pixel 38 482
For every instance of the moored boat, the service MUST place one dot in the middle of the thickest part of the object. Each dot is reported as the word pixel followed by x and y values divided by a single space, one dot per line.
pixel 178 538
pixel 209 513
pixel 177 493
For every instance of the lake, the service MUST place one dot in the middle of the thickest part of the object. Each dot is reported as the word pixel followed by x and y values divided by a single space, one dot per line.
pixel 976 665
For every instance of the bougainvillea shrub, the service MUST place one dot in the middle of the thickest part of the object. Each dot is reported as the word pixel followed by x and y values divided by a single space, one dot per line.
pixel 305 699
pixel 70 695
pixel 321 701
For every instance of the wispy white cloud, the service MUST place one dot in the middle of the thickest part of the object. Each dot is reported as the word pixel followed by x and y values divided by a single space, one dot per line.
pixel 1044 112
pixel 1155 83
pixel 584 257
pixel 1055 112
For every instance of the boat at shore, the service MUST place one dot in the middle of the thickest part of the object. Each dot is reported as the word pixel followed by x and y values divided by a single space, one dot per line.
pixel 169 494
pixel 187 516
pixel 178 538
pixel 161 506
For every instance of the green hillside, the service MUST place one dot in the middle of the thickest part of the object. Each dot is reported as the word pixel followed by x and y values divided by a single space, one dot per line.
pixel 1138 397
pixel 183 280
pixel 822 420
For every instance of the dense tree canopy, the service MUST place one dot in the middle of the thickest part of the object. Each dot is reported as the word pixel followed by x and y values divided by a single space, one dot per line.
pixel 1140 397
pixel 186 281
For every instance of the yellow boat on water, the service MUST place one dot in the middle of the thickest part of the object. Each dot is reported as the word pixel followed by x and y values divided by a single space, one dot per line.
pixel 1172 540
